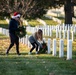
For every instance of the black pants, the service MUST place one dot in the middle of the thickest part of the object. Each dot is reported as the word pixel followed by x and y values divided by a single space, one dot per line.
pixel 13 40
pixel 34 45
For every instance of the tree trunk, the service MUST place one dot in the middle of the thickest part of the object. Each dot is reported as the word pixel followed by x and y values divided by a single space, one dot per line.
pixel 72 11
pixel 68 12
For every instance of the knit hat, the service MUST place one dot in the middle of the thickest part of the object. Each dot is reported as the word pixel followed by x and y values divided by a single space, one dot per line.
pixel 16 14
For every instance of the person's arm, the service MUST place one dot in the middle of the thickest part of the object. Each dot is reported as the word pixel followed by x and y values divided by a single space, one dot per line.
pixel 36 40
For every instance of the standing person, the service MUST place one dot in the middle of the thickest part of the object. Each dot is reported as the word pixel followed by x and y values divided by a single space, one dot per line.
pixel 13 27
pixel 33 39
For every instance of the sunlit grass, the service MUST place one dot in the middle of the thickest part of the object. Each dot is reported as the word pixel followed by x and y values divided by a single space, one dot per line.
pixel 51 22
pixel 2 36
pixel 34 22
pixel 3 22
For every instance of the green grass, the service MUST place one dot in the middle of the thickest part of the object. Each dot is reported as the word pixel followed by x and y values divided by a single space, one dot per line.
pixel 49 21
pixel 33 22
pixel 36 65
pixel 2 36
pixel 42 64
pixel 3 24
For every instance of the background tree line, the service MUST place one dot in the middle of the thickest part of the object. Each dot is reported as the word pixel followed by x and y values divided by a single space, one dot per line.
pixel 36 8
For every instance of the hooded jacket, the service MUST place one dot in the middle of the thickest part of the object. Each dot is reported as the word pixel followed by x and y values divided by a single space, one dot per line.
pixel 13 26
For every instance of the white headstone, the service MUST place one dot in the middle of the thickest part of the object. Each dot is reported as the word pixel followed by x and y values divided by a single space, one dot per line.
pixel 69 49
pixel 54 47
pixel 60 36
pixel 61 49
pixel 26 39
pixel 49 44
pixel 48 30
pixel 64 34
pixel 68 35
pixel 0 30
pixel 72 35
pixel 56 33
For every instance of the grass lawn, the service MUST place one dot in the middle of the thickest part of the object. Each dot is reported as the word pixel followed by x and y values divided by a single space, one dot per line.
pixel 3 24
pixel 34 22
pixel 42 64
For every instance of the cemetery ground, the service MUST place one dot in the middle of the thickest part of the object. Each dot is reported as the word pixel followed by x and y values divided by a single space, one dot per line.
pixel 35 64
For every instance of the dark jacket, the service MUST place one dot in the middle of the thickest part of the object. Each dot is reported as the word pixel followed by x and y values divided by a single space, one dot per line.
pixel 13 26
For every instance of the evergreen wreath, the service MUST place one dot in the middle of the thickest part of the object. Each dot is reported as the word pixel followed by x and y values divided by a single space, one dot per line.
pixel 21 31
pixel 43 49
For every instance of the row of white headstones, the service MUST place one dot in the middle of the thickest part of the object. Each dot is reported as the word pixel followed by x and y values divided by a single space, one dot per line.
pixel 61 48
pixel 47 30
pixel 62 32
pixel 52 46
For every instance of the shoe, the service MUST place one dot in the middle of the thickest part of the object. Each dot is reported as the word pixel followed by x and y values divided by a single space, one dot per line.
pixel 6 53
pixel 29 53
pixel 36 52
